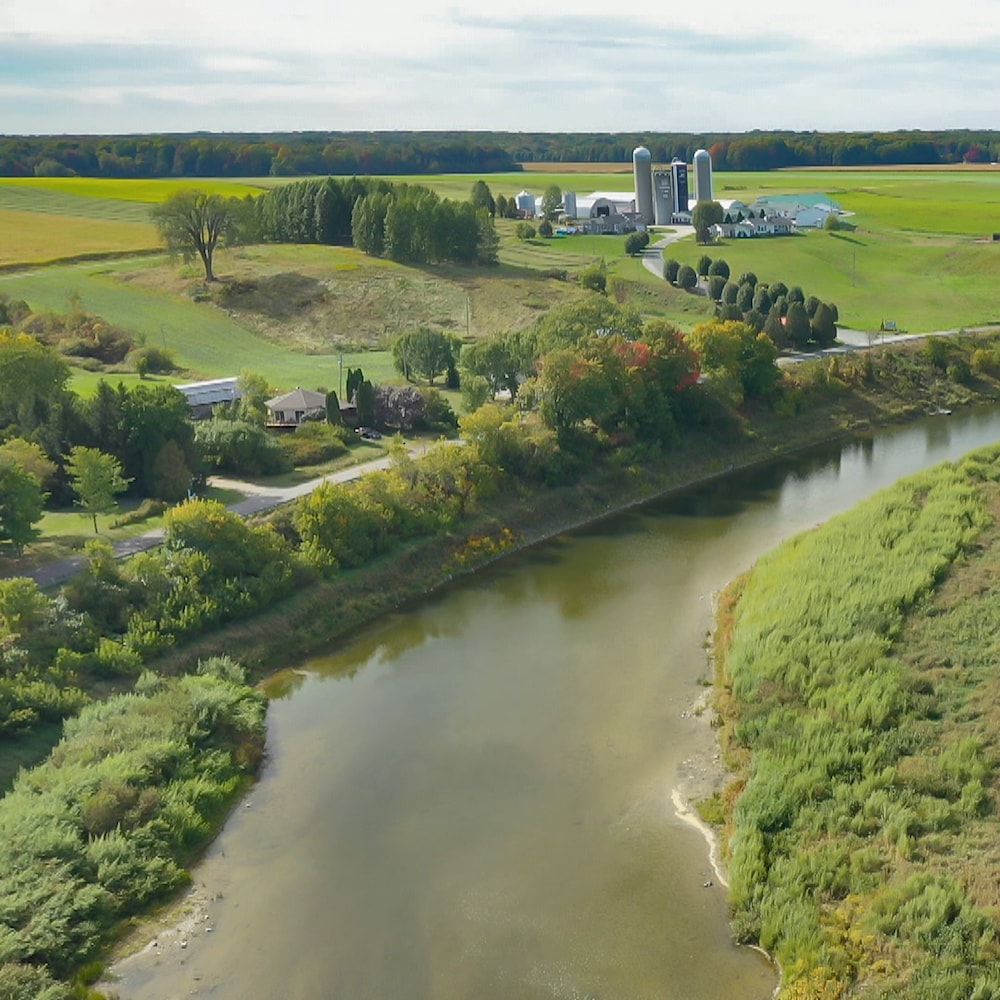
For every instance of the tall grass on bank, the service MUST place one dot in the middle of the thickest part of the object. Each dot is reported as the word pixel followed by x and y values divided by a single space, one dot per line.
pixel 105 825
pixel 854 782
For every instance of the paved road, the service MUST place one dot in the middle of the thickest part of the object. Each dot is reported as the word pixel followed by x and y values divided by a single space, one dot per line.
pixel 257 499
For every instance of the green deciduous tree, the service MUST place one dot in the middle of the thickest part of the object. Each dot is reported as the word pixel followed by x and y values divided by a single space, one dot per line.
pixel 482 197
pixel 501 360
pixel 21 502
pixel 97 479
pixel 551 200
pixel 565 324
pixel 742 357
pixel 705 215
pixel 152 416
pixel 425 353
pixel 32 458
pixel 571 389
pixel 33 378
pixel 193 222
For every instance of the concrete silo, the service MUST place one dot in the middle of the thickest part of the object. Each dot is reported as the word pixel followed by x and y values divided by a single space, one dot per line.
pixel 662 198
pixel 703 175
pixel 642 169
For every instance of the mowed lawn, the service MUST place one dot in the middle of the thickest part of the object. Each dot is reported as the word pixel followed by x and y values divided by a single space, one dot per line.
pixel 932 284
pixel 959 201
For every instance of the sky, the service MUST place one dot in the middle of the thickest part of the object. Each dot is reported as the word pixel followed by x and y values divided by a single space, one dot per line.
pixel 138 66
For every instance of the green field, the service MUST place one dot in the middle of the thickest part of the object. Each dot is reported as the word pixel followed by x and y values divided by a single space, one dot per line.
pixel 912 256
pixel 204 340
pixel 922 285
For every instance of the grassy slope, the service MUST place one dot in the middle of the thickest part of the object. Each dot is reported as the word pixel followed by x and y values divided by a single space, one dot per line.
pixel 205 340
pixel 859 696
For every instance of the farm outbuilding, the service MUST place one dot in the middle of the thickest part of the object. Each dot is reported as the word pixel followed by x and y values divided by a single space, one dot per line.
pixel 203 397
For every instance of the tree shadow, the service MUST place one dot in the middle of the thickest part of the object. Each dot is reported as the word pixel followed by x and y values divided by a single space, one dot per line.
pixel 848 239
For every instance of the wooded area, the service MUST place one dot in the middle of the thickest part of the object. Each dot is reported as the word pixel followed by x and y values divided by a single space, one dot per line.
pixel 346 153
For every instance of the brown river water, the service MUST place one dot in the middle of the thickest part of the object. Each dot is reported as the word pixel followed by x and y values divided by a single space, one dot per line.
pixel 473 798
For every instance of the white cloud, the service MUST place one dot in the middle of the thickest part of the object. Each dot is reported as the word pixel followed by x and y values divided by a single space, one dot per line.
pixel 538 65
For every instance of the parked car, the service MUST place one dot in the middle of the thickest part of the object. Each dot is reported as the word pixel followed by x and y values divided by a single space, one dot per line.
pixel 369 434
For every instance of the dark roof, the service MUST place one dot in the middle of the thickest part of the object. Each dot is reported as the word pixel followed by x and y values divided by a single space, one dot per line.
pixel 297 399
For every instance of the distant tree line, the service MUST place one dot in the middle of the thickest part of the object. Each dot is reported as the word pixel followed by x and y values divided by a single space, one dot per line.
pixel 393 153
pixel 249 155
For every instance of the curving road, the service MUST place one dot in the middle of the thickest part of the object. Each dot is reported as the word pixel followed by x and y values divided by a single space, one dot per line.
pixel 257 499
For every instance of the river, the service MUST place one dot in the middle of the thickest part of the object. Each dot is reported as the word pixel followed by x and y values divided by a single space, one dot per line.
pixel 472 798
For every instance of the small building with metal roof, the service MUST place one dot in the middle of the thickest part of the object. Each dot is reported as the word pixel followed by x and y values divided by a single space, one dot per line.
pixel 203 397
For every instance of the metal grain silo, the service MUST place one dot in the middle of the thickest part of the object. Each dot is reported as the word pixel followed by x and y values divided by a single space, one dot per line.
pixel 569 204
pixel 525 203
pixel 703 175
pixel 642 170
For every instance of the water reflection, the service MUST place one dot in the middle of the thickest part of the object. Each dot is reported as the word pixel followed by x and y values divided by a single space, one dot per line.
pixel 472 798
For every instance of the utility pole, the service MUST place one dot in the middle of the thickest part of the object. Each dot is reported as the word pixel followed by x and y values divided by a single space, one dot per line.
pixel 340 393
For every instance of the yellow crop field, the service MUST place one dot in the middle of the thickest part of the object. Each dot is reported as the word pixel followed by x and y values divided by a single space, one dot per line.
pixel 36 238
pixel 151 191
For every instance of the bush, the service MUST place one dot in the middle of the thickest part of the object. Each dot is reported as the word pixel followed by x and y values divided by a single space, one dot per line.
pixel 986 361
pixel 595 277
pixel 716 285
pixel 438 414
pixel 147 509
pixel 960 372
pixel 545 229
pixel 719 267
pixel 687 278
pixel 635 243
pixel 314 443
pixel 241 447
pixel 936 351
pixel 524 231
pixel 670 269
pixel 153 359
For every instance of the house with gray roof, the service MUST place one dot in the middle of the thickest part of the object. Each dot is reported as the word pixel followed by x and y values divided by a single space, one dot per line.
pixel 291 408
